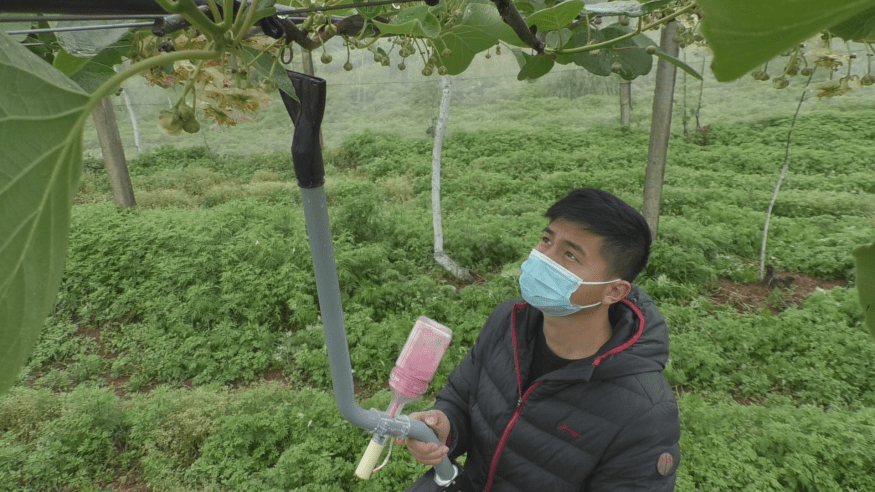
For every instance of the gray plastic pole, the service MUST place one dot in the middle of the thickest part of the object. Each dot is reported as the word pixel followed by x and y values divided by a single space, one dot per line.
pixel 328 287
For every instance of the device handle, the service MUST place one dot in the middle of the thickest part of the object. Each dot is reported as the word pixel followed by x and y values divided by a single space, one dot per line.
pixel 369 459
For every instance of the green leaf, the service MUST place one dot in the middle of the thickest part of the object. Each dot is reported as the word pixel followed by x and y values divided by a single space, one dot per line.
pixel 864 258
pixel 678 63
pixel 630 9
pixel 370 12
pixel 41 115
pixel 477 29
pixel 17 26
pixel 630 54
pixel 90 73
pixel 555 17
pixel 857 28
pixel 89 43
pixel 525 7
pixel 413 21
pixel 598 63
pixel 558 39
pixel 747 33
pixel 92 76
pixel 264 63
pixel 532 66
pixel 67 63
pixel 633 58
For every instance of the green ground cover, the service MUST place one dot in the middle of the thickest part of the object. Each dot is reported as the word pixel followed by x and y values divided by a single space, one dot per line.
pixel 153 370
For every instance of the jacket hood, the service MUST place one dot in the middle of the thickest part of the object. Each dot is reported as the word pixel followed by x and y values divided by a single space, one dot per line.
pixel 639 343
pixel 638 322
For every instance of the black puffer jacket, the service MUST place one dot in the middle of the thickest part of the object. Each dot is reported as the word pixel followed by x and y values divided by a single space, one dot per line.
pixel 608 424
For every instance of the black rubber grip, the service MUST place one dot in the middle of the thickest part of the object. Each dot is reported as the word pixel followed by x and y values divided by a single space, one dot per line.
pixel 306 114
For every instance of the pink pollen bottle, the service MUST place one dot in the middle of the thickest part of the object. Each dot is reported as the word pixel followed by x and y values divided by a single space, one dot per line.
pixel 419 360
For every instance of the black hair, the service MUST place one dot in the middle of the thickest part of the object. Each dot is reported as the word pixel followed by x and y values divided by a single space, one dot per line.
pixel 625 233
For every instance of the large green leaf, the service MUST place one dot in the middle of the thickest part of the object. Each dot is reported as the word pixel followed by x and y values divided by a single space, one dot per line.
pixel 90 72
pixel 630 54
pixel 532 66
pixel 555 17
pixel 413 21
pixel 67 63
pixel 864 258
pixel 89 43
pixel 370 12
pixel 16 27
pixel 101 68
pixel 596 62
pixel 558 39
pixel 39 176
pixel 857 28
pixel 747 33
pixel 477 29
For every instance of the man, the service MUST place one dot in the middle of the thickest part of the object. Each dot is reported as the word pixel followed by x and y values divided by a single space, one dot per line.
pixel 563 390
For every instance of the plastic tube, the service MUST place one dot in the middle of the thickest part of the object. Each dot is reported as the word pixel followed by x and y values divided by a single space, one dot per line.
pixel 328 287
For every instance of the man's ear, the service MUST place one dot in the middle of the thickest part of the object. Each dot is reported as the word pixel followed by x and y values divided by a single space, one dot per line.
pixel 618 291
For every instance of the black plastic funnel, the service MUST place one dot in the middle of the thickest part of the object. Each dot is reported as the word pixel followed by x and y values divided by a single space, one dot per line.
pixel 306 114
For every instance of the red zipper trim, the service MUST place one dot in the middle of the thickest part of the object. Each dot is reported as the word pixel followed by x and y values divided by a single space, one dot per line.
pixel 506 435
pixel 522 398
pixel 516 349
pixel 629 342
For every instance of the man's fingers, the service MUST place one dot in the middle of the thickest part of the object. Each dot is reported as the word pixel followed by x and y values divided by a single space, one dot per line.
pixel 434 458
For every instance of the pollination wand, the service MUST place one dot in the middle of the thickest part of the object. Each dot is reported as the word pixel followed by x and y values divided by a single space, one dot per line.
pixel 306 113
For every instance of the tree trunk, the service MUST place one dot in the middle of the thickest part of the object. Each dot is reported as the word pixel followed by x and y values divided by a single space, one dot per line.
pixel 781 177
pixel 440 256
pixel 625 102
pixel 113 154
pixel 660 128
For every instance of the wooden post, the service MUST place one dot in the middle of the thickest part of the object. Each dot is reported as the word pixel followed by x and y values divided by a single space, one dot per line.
pixel 625 102
pixel 660 128
pixel 113 154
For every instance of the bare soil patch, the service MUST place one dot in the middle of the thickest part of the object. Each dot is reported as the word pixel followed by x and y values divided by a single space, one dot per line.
pixel 754 297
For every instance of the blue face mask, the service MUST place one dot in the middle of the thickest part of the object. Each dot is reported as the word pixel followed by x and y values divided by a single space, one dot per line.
pixel 548 286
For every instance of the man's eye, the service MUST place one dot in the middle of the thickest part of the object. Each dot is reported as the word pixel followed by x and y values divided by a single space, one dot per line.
pixel 570 255
pixel 545 240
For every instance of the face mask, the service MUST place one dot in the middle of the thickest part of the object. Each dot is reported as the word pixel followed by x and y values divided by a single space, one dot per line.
pixel 548 286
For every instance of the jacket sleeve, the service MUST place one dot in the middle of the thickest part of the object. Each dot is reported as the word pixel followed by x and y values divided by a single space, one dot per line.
pixel 456 397
pixel 453 400
pixel 644 455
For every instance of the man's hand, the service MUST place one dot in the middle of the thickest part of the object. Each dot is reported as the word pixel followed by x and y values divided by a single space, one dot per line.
pixel 429 453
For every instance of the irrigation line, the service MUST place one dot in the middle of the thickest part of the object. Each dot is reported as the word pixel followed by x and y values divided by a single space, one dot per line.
pixel 82 28
pixel 62 18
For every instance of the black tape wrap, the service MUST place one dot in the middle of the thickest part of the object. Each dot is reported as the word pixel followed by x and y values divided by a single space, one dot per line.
pixel 306 114
pixel 272 27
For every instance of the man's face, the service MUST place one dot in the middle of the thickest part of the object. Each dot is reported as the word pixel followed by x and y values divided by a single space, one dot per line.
pixel 580 253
